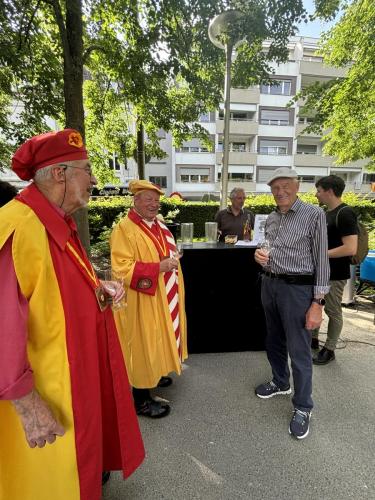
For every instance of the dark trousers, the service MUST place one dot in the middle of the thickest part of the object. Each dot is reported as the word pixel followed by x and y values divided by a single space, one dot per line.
pixel 141 395
pixel 285 307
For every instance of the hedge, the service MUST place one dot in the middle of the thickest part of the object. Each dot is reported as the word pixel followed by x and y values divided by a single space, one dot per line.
pixel 104 210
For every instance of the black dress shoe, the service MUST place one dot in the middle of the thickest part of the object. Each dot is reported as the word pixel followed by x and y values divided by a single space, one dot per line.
pixel 105 476
pixel 324 356
pixel 165 382
pixel 152 409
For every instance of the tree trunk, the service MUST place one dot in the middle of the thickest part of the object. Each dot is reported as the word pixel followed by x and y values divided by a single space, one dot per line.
pixel 140 149
pixel 72 43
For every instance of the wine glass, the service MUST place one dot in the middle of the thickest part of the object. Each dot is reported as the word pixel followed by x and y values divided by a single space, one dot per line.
pixel 179 250
pixel 265 247
pixel 110 278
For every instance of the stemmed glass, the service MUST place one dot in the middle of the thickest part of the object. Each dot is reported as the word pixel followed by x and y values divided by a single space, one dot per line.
pixel 110 278
pixel 266 247
pixel 179 250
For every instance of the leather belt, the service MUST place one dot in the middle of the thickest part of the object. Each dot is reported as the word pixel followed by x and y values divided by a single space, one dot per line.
pixel 291 279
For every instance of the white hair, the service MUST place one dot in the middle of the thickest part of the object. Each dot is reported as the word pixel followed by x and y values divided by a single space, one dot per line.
pixel 43 174
pixel 235 191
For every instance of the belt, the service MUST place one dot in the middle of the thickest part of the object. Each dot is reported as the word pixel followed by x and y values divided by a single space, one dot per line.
pixel 291 279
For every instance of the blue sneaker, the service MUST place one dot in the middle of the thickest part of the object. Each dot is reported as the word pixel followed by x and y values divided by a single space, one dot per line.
pixel 270 389
pixel 299 425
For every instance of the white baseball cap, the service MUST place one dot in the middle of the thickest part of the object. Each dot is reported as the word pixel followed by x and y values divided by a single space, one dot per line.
pixel 282 172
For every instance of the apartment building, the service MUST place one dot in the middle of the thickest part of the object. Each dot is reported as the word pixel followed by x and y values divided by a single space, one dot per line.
pixel 264 134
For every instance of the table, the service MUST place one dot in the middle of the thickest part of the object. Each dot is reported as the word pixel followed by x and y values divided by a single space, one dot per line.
pixel 223 305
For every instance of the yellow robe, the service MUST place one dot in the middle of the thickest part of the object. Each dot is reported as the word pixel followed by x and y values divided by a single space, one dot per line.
pixel 145 325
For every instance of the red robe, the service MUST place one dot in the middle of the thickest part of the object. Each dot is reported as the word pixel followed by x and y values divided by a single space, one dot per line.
pixel 105 429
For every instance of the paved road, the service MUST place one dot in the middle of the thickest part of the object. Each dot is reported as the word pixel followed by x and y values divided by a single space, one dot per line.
pixel 221 442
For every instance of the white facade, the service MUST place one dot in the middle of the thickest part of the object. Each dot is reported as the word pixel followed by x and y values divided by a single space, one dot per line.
pixel 264 134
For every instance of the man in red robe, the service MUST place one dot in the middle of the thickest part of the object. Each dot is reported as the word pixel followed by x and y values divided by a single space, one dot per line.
pixel 66 411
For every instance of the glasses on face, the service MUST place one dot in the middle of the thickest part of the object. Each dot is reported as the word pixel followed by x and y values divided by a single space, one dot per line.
pixel 87 169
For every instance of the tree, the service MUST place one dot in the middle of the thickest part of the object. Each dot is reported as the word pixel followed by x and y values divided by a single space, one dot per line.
pixel 152 57
pixel 167 72
pixel 344 108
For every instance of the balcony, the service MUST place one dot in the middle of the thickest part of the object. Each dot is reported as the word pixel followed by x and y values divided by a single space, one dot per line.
pixel 190 158
pixel 238 158
pixel 238 127
pixel 245 96
pixel 300 127
pixel 313 160
pixel 318 69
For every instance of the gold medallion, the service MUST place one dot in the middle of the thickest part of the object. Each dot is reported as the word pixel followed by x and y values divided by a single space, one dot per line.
pixel 101 298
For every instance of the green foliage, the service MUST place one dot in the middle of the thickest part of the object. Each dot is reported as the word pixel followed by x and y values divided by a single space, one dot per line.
pixel 102 212
pixel 149 59
pixel 345 107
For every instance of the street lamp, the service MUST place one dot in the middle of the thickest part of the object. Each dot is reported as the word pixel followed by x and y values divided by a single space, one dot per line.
pixel 221 34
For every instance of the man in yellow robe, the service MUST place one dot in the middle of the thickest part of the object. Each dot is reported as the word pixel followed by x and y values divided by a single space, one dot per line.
pixel 153 327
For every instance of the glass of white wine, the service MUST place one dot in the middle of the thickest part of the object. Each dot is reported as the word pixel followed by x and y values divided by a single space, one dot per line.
pixel 110 280
pixel 179 250
pixel 266 247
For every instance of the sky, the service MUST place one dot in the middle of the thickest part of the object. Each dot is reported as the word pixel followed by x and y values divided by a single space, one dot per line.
pixel 313 28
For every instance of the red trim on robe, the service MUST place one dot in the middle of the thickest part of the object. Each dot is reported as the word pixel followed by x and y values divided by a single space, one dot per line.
pixel 145 271
pixel 105 422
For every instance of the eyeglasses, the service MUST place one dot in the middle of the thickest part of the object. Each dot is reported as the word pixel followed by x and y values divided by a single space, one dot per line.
pixel 86 169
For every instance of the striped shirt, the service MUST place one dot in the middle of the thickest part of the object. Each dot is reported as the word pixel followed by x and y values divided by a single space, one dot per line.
pixel 298 240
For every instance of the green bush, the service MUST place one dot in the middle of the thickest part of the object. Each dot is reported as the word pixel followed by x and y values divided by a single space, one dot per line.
pixel 103 211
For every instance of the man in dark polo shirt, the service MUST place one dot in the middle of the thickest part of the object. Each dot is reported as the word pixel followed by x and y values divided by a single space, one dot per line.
pixel 232 220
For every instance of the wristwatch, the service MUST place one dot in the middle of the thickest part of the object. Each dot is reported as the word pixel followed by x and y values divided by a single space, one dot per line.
pixel 321 302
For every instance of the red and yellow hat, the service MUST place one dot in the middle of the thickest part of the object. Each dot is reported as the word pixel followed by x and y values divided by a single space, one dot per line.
pixel 48 149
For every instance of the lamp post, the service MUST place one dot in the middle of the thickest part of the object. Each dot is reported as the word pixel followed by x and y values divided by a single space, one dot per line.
pixel 220 32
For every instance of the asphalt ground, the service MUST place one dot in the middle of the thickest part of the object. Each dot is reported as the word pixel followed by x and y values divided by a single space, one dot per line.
pixel 221 442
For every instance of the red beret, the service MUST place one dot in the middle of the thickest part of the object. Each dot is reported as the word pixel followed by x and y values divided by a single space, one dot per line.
pixel 48 149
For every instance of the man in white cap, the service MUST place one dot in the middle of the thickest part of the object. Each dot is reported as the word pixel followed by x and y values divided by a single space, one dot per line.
pixel 294 282
pixel 153 326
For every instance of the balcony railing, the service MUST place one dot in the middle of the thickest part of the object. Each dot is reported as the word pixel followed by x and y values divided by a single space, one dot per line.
pixel 238 158
pixel 239 126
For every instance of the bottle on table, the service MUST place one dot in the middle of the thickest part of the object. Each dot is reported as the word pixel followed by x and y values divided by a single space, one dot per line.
pixel 247 230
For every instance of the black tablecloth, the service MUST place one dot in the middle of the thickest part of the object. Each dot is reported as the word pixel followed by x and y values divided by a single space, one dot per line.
pixel 223 305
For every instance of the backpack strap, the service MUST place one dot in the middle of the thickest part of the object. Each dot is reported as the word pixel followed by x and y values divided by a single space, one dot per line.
pixel 337 215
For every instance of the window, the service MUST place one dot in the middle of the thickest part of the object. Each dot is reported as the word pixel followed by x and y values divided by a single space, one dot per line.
pixel 273 147
pixel 307 149
pixel 368 178
pixel 116 163
pixel 274 117
pixel 281 87
pixel 195 175
pixel 160 181
pixel 237 177
pixel 305 119
pixel 192 149
pixel 307 178
pixel 238 147
pixel 238 116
